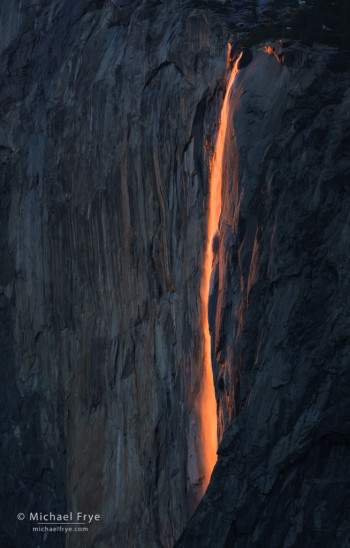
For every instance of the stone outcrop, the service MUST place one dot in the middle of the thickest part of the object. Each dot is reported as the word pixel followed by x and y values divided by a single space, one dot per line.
pixel 280 322
pixel 106 109
pixel 104 186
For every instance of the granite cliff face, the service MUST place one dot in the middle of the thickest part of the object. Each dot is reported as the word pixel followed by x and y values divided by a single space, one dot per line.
pixel 279 311
pixel 106 109
pixel 104 189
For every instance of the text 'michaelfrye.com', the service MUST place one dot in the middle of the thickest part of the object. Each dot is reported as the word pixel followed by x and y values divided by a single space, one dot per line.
pixel 60 523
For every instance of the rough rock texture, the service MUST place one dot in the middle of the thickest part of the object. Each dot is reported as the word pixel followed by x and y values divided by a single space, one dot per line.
pixel 281 323
pixel 103 194
pixel 105 109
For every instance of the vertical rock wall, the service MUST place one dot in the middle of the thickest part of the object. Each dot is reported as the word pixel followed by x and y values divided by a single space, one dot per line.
pixel 280 330
pixel 104 110
pixel 103 187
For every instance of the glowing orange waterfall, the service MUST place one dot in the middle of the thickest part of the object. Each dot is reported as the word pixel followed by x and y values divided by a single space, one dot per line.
pixel 207 401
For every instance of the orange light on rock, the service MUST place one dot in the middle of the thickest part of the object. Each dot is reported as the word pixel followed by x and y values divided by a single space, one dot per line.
pixel 207 401
pixel 272 51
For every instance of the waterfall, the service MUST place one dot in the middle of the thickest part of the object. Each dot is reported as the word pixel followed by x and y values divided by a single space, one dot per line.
pixel 207 401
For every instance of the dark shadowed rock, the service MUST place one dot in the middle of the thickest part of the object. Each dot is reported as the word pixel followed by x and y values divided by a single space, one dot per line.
pixel 215 244
pixel 281 316
pixel 288 57
pixel 107 107
pixel 103 200
pixel 245 59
